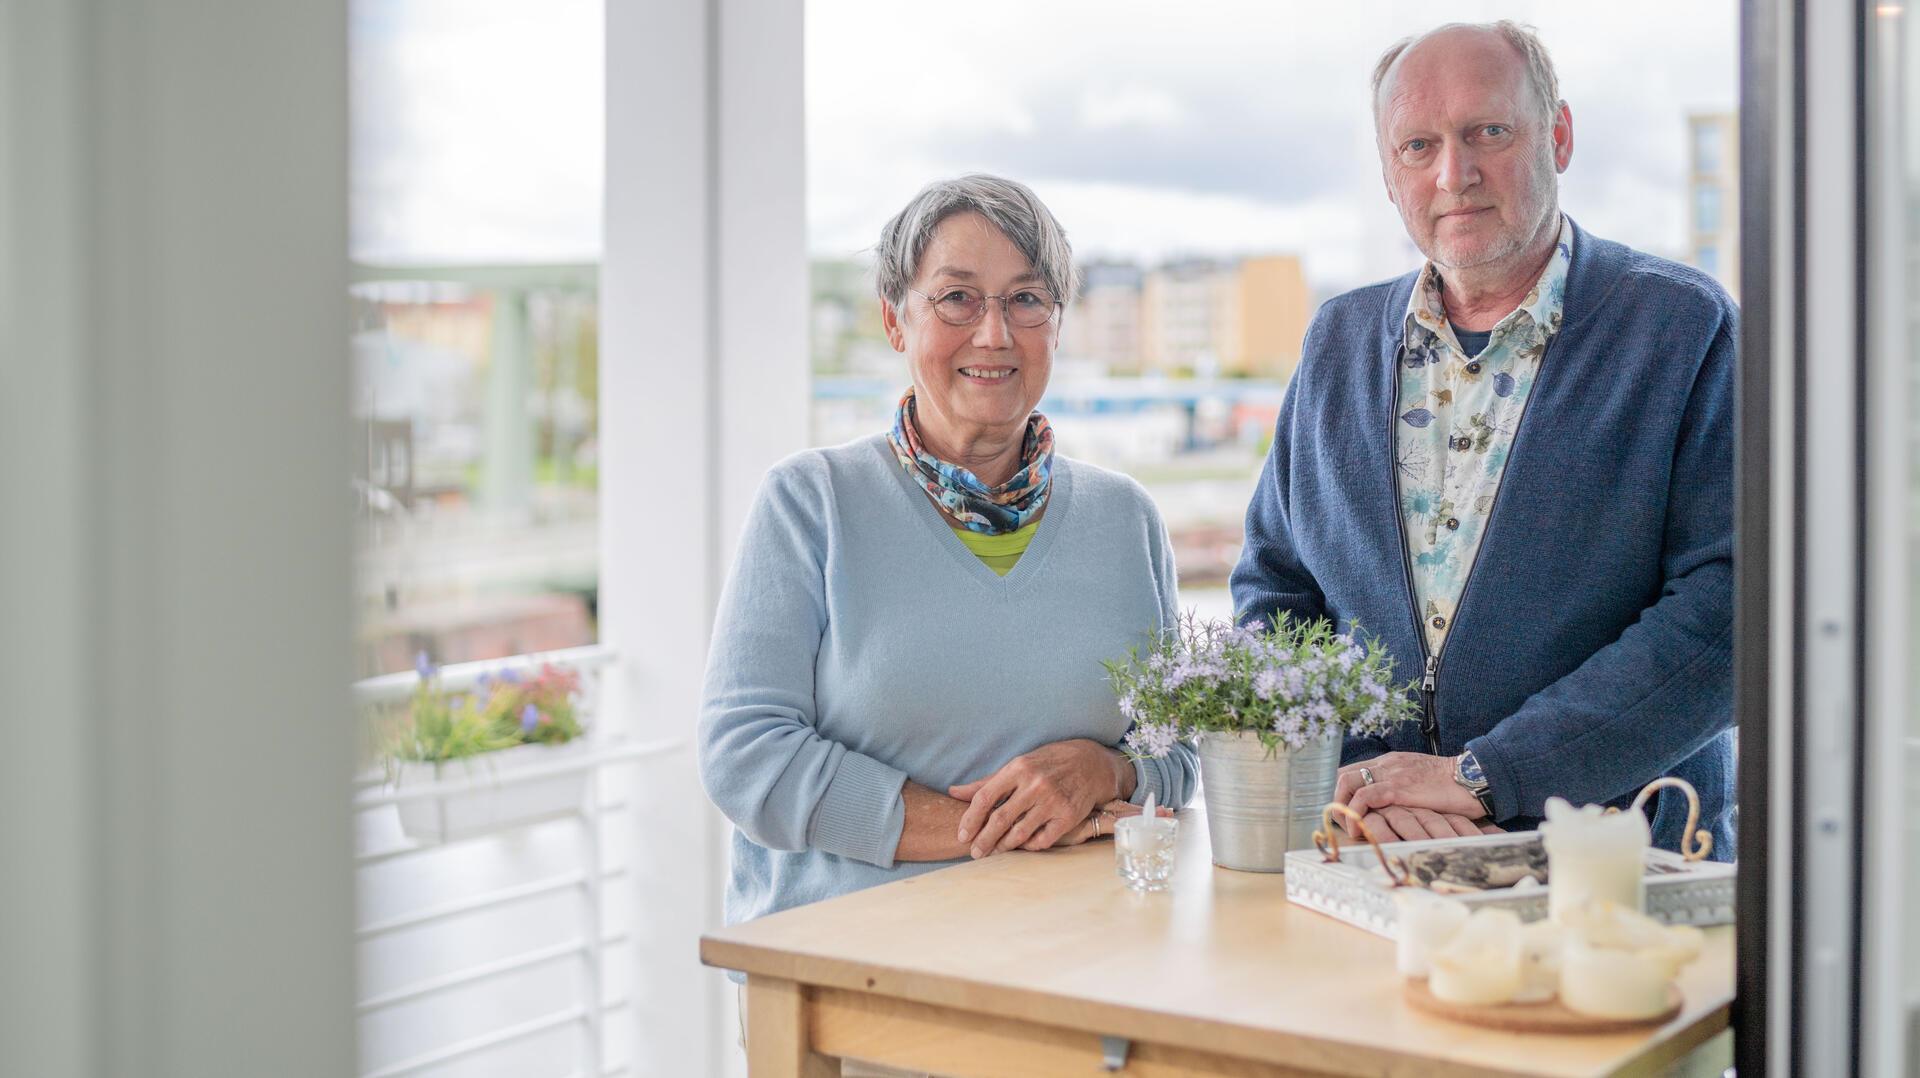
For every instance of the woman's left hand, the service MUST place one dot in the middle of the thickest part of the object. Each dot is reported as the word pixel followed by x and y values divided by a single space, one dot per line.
pixel 1036 799
pixel 1100 824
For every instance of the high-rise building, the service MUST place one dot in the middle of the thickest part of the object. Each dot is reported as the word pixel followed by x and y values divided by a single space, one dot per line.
pixel 1273 309
pixel 1713 195
pixel 1244 318
pixel 1104 324
pixel 1185 308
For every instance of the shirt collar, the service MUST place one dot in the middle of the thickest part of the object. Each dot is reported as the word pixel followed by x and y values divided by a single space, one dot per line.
pixel 1426 319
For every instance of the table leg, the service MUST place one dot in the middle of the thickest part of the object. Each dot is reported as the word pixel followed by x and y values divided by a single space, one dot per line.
pixel 777 1042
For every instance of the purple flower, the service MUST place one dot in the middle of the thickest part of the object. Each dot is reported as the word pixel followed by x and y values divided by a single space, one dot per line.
pixel 529 718
pixel 1293 683
pixel 1129 706
pixel 1291 725
pixel 1152 739
pixel 510 677
pixel 422 665
pixel 1266 683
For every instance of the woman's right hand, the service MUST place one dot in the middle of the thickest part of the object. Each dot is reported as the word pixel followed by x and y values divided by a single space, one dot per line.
pixel 1084 830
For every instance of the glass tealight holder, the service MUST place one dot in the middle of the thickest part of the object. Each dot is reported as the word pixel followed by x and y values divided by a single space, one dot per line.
pixel 1143 851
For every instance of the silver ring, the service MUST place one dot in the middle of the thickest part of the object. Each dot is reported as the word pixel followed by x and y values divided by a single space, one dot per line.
pixel 1366 776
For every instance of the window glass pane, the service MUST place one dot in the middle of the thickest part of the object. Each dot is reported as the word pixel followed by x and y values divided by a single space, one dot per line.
pixel 1707 138
pixel 476 219
pixel 1211 210
pixel 1706 209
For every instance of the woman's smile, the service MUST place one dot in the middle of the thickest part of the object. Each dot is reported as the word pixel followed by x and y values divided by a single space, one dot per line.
pixel 986 375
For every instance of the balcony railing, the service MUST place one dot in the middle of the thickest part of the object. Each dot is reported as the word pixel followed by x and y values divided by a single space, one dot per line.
pixel 462 944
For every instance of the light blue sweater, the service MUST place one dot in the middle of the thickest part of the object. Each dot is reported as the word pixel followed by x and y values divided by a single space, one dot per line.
pixel 859 644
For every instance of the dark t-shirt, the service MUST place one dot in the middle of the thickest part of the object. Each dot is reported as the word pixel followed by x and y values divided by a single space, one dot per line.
pixel 1471 343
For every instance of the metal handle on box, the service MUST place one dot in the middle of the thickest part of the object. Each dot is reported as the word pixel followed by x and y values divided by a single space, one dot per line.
pixel 1327 841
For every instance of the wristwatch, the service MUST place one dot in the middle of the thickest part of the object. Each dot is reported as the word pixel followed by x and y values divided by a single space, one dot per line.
pixel 1468 772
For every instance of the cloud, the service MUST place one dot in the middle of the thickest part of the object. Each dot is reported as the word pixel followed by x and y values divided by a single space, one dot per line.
pixel 1217 126
pixel 1152 128
pixel 476 130
pixel 1129 107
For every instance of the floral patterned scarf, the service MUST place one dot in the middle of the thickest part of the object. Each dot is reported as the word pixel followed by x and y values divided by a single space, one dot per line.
pixel 961 496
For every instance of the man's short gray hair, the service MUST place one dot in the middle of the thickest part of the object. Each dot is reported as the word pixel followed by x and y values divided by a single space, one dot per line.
pixel 1011 207
pixel 1540 75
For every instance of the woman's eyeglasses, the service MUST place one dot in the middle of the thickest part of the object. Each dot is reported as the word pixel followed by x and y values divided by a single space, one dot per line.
pixel 962 306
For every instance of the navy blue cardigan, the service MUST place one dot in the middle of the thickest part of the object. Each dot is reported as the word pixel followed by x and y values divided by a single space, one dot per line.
pixel 1592 648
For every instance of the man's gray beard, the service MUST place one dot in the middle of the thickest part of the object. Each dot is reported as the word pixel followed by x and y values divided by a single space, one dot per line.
pixel 1550 178
pixel 1512 246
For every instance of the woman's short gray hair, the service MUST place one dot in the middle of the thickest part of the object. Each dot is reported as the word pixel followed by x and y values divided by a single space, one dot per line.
pixel 1540 74
pixel 1011 207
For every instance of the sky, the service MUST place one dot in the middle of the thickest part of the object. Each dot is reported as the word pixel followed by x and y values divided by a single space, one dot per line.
pixel 477 130
pixel 1214 127
pixel 1151 129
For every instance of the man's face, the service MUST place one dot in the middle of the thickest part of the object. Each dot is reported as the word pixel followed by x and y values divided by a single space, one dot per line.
pixel 1469 160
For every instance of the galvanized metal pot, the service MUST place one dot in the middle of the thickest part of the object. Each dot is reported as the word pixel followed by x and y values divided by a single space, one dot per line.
pixel 1260 802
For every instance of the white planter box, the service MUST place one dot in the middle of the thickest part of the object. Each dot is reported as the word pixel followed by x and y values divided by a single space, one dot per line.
pixel 488 792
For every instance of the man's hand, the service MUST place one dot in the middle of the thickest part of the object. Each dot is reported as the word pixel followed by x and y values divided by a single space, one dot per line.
pixel 1036 799
pixel 1407 780
pixel 1396 824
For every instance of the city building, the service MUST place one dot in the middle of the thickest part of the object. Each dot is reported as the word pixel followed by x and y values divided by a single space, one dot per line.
pixel 1273 309
pixel 1184 308
pixel 1103 326
pixel 1713 196
pixel 1210 318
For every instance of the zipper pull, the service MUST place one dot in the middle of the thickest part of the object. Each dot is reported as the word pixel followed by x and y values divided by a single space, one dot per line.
pixel 1433 666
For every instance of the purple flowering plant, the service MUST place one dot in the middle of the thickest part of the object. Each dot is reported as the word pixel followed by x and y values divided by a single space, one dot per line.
pixel 500 712
pixel 1292 685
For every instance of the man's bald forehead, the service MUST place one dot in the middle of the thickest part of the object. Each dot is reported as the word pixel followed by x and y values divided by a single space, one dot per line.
pixel 1504 39
pixel 1454 37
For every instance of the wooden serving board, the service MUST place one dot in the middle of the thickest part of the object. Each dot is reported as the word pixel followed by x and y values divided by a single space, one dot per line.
pixel 1549 1017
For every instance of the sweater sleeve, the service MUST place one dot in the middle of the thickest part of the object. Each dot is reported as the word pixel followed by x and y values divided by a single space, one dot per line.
pixel 1170 778
pixel 1641 705
pixel 1269 578
pixel 762 759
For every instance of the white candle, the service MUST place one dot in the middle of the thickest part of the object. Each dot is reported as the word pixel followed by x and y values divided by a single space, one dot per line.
pixel 1424 922
pixel 1593 857
pixel 1607 983
pixel 1618 963
pixel 1481 963
pixel 1541 944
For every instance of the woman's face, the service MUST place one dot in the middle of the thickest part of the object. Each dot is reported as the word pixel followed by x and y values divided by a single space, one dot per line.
pixel 983 379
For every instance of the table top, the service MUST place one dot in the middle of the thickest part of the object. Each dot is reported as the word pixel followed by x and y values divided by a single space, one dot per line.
pixel 1222 962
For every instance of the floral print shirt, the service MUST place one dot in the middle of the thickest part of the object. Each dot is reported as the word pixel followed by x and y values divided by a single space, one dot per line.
pixel 1455 429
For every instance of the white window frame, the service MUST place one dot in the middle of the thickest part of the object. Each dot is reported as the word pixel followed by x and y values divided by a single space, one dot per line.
pixel 703 385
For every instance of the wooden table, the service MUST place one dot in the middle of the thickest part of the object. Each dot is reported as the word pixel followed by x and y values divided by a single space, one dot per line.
pixel 1020 964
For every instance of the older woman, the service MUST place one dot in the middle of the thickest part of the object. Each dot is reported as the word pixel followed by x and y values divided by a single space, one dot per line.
pixel 906 660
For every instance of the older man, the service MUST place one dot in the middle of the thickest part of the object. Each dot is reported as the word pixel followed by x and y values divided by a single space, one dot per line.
pixel 1514 466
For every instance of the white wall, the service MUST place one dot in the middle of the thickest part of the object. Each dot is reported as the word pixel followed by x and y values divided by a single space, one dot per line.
pixel 174 564
pixel 703 384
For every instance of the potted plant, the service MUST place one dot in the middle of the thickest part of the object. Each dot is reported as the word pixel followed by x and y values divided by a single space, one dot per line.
pixel 508 722
pixel 1266 710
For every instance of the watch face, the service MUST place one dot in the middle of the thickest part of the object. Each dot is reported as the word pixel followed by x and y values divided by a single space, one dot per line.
pixel 1470 772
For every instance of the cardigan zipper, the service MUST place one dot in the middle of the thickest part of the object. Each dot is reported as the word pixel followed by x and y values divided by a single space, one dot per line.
pixel 1429 681
pixel 1430 678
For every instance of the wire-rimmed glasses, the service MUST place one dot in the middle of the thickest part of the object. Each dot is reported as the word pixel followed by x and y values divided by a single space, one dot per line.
pixel 958 305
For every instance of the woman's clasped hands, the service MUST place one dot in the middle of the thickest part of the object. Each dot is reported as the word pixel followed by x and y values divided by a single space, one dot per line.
pixel 1060 794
